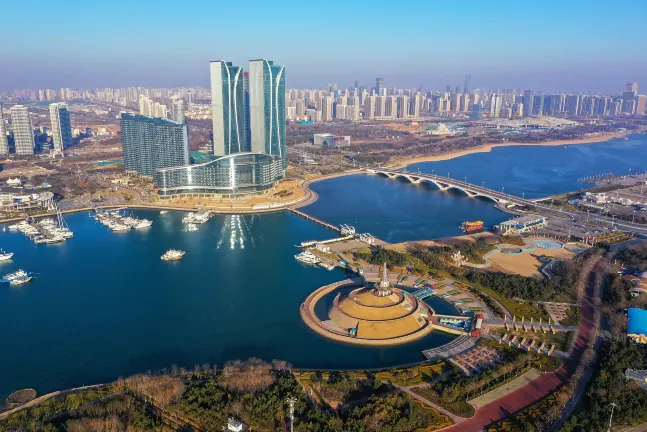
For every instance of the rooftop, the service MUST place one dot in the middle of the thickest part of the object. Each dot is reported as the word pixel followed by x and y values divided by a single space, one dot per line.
pixel 637 321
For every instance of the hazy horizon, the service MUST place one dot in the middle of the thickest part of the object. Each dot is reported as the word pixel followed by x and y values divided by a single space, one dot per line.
pixel 582 46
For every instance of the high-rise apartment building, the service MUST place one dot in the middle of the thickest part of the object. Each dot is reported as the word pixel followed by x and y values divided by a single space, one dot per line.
pixel 23 131
pixel 326 108
pixel 150 143
pixel 528 103
pixel 403 106
pixel 495 105
pixel 369 107
pixel 267 108
pixel 61 126
pixel 380 106
pixel 4 142
pixel 228 106
pixel 177 110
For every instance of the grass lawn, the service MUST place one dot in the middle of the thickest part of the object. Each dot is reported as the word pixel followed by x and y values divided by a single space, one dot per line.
pixel 526 310
pixel 435 420
pixel 413 375
pixel 460 408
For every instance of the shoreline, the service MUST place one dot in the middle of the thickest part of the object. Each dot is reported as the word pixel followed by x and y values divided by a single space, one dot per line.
pixel 487 148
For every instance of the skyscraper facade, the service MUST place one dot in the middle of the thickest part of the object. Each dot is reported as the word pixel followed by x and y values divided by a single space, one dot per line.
pixel 23 131
pixel 150 143
pixel 267 108
pixel 4 142
pixel 228 108
pixel 177 110
pixel 61 126
pixel 379 87
pixel 528 103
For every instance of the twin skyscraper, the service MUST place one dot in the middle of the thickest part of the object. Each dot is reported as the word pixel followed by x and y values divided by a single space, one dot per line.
pixel 248 108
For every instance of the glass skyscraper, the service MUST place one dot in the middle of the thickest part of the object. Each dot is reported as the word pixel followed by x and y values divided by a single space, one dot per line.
pixel 267 108
pixel 150 143
pixel 228 108
pixel 23 131
pixel 61 126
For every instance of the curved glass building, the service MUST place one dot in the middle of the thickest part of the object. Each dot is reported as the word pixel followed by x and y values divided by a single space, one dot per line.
pixel 232 175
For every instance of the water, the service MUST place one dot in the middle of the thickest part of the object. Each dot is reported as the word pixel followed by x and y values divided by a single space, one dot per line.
pixel 538 171
pixel 398 211
pixel 104 305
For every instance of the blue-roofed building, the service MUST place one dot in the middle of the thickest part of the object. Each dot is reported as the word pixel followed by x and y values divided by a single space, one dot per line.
pixel 637 325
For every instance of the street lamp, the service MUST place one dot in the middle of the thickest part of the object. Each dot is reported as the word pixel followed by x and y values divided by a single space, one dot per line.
pixel 613 405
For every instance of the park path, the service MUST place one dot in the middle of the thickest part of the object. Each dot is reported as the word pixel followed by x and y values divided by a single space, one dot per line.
pixel 548 382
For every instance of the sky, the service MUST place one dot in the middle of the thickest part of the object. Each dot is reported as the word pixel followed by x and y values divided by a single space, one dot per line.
pixel 550 45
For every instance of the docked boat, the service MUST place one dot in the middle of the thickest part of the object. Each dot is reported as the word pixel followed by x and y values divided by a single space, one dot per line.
pixel 163 211
pixel 142 223
pixel 326 265
pixel 5 255
pixel 21 280
pixel 307 257
pixel 191 227
pixel 173 255
pixel 11 276
pixel 470 227
pixel 119 227
pixel 347 230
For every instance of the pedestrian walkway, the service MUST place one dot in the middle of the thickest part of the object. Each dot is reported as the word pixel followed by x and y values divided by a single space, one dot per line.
pixel 502 391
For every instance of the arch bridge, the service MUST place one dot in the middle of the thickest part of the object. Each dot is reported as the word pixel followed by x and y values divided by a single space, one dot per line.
pixel 446 183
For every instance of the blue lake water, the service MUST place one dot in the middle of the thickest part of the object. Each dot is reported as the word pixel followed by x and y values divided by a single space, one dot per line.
pixel 397 211
pixel 104 305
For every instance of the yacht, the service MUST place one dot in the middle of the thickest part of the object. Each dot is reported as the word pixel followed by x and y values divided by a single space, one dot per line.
pixel 191 227
pixel 119 227
pixel 173 255
pixel 163 211
pixel 11 276
pixel 21 280
pixel 5 255
pixel 143 223
pixel 307 257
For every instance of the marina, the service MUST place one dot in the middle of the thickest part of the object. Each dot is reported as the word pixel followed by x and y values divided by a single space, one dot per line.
pixel 44 231
pixel 118 222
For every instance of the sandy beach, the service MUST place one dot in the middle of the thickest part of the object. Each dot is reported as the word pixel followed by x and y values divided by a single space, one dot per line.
pixel 488 148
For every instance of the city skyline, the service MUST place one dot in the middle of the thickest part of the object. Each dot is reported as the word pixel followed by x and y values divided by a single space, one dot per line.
pixel 427 45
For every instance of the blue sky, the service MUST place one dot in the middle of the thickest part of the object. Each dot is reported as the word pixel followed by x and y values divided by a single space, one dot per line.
pixel 549 45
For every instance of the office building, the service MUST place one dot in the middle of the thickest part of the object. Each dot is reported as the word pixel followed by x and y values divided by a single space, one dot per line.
pixel 228 106
pixel 267 108
pixel 379 87
pixel 232 175
pixel 150 143
pixel 177 110
pixel 23 132
pixel 528 103
pixel 328 140
pixel 631 87
pixel 4 141
pixel 61 126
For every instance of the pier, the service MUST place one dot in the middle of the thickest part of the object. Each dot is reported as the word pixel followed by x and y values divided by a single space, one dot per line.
pixel 314 219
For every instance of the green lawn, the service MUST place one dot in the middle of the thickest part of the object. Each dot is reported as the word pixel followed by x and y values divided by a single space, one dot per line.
pixel 526 310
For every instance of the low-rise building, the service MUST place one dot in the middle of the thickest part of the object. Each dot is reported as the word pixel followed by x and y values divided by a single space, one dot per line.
pixel 637 328
pixel 522 225
pixel 232 175
pixel 15 199
pixel 331 141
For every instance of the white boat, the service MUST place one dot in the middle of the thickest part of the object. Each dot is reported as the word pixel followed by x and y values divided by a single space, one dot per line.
pixel 191 227
pixel 21 280
pixel 13 227
pixel 307 257
pixel 14 275
pixel 173 255
pixel 143 223
pixel 5 255
pixel 163 211
pixel 119 227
